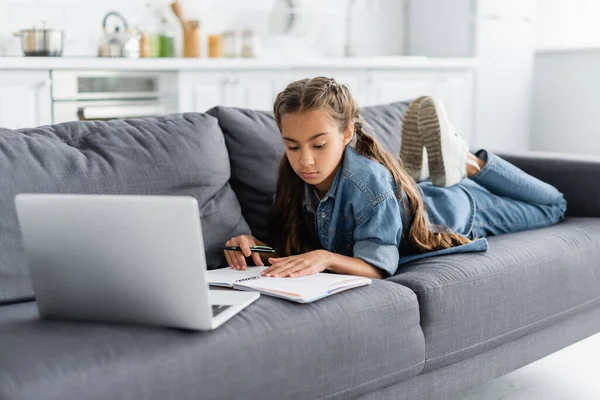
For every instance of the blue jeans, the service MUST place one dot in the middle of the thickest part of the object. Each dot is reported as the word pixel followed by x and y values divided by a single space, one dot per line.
pixel 509 200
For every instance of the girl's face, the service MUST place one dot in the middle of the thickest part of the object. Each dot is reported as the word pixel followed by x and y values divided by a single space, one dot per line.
pixel 314 145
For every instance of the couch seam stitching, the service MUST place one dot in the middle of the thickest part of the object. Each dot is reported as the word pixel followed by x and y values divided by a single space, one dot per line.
pixel 68 141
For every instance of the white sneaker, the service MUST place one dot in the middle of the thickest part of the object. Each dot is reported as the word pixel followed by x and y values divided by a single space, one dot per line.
pixel 413 155
pixel 447 152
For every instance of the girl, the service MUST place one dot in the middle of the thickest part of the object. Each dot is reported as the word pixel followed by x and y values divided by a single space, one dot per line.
pixel 345 205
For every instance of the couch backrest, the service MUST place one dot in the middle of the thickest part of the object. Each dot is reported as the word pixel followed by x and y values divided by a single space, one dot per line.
pixel 179 154
pixel 255 149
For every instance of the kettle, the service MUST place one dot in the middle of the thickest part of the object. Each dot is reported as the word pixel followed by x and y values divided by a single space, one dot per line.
pixel 120 43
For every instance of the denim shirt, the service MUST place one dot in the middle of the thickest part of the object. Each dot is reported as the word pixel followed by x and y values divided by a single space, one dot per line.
pixel 360 215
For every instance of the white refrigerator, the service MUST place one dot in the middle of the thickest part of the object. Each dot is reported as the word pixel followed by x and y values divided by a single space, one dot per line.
pixel 501 35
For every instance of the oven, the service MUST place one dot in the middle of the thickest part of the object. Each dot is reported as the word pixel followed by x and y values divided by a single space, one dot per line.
pixel 106 95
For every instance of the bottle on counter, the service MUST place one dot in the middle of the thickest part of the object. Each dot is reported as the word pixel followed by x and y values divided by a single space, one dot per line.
pixel 144 45
pixel 154 44
pixel 166 40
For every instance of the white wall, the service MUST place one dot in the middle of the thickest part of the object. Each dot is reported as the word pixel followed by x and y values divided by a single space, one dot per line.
pixel 566 103
pixel 377 28
pixel 568 23
pixel 566 81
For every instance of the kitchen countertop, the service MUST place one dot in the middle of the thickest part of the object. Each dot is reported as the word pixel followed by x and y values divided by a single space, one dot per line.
pixel 568 50
pixel 186 64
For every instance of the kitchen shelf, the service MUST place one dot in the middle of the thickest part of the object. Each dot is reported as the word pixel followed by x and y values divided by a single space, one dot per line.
pixel 182 64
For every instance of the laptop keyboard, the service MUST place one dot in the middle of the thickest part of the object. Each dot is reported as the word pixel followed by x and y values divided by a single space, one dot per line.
pixel 218 309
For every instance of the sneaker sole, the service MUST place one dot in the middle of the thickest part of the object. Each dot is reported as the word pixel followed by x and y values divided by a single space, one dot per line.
pixel 411 143
pixel 432 139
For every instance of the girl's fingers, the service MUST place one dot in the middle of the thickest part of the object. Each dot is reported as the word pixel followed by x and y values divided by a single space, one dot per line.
pixel 280 268
pixel 274 264
pixel 225 252
pixel 285 270
pixel 246 250
pixel 231 260
pixel 241 260
pixel 272 268
pixel 298 270
pixel 257 260
pixel 278 263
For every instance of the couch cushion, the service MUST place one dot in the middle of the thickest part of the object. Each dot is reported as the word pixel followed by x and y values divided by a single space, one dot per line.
pixel 255 149
pixel 385 123
pixel 182 154
pixel 342 346
pixel 522 284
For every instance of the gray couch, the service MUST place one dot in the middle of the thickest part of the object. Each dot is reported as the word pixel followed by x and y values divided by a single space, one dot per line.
pixel 439 327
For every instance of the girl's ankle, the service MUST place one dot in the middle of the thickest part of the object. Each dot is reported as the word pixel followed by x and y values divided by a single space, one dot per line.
pixel 474 165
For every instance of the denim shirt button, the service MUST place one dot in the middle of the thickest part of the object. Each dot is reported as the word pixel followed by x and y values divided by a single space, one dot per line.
pixel 323 215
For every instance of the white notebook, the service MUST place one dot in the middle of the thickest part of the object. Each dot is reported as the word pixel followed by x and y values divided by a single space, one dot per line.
pixel 304 289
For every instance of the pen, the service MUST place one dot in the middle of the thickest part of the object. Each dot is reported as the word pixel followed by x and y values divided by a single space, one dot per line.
pixel 256 249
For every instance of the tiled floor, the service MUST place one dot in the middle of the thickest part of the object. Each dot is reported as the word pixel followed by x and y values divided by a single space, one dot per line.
pixel 570 374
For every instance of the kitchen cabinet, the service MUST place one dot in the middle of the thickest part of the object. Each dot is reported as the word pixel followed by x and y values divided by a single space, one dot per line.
pixel 25 99
pixel 200 84
pixel 355 80
pixel 455 89
pixel 253 90
pixel 388 87
pixel 200 91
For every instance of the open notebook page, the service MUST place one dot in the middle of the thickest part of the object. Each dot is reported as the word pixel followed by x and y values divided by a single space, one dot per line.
pixel 227 276
pixel 306 286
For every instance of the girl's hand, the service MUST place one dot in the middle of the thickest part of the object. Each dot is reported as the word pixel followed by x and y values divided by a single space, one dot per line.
pixel 236 259
pixel 300 265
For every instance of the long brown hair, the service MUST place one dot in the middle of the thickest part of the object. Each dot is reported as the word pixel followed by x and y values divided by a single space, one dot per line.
pixel 286 220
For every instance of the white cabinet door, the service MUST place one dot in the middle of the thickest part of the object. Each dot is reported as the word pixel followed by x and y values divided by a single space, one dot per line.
pixel 256 90
pixel 454 89
pixel 389 87
pixel 25 99
pixel 200 91
pixel 355 80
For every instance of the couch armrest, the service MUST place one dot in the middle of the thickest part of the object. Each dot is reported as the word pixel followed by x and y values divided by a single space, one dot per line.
pixel 576 176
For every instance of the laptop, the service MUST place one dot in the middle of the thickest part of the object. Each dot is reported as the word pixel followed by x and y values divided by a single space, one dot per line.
pixel 122 258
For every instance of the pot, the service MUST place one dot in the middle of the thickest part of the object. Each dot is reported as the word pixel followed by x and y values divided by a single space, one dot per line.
pixel 41 42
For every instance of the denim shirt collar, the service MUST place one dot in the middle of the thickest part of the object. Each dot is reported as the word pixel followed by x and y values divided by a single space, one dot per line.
pixel 310 194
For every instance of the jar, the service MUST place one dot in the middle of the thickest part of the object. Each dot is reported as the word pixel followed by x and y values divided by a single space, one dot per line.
pixel 215 46
pixel 166 40
pixel 250 44
pixel 232 44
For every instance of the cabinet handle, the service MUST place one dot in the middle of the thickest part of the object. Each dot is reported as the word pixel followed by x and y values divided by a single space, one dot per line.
pixel 109 112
